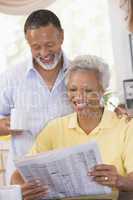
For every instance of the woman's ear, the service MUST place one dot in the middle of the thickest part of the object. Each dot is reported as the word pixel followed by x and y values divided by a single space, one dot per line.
pixel 101 91
pixel 102 103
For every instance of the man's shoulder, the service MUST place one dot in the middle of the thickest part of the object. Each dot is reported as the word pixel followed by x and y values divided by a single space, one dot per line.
pixel 16 71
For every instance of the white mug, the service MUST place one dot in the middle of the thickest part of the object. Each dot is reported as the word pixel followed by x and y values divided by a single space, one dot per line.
pixel 11 192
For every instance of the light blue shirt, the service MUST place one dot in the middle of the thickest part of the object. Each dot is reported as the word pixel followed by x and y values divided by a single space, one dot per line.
pixel 25 96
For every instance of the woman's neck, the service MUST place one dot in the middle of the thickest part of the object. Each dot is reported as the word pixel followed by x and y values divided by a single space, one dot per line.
pixel 90 121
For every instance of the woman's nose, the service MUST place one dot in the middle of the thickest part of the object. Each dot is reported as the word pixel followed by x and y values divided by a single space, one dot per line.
pixel 80 95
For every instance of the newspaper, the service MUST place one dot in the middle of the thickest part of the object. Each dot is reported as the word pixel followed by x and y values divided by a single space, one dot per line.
pixel 65 171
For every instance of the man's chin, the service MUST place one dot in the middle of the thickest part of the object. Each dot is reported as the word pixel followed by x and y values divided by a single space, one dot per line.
pixel 48 63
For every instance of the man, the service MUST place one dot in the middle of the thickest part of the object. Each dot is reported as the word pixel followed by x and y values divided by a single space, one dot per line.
pixel 128 4
pixel 34 92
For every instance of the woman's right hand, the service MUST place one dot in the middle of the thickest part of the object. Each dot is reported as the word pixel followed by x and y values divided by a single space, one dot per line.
pixel 34 190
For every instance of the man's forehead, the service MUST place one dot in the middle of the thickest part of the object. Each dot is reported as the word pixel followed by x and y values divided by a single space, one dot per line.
pixel 43 33
pixel 47 34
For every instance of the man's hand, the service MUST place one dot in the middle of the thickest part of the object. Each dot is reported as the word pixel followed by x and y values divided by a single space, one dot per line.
pixel 4 126
pixel 121 111
pixel 5 123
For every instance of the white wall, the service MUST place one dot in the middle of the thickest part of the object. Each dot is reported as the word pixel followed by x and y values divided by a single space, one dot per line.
pixel 120 43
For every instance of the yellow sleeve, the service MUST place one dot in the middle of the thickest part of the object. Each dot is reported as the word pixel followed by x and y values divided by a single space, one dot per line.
pixel 128 148
pixel 44 140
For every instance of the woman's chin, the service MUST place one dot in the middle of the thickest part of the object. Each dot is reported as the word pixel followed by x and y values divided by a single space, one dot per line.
pixel 81 112
pixel 78 109
pixel 87 113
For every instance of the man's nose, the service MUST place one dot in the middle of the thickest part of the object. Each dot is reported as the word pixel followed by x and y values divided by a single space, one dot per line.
pixel 44 51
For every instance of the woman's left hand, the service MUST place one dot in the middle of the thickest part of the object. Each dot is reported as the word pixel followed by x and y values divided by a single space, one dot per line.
pixel 107 175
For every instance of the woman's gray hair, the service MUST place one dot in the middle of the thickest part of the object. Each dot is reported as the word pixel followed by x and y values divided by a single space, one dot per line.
pixel 89 62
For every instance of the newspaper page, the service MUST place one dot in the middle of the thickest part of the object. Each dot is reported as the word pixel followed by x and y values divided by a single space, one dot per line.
pixel 65 171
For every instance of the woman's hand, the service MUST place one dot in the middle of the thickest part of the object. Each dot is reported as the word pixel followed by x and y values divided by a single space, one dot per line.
pixel 107 175
pixel 33 190
pixel 30 190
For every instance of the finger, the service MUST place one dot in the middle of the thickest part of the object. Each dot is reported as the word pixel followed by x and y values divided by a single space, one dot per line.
pixel 129 117
pixel 7 121
pixel 123 111
pixel 35 196
pixel 32 184
pixel 7 125
pixel 34 191
pixel 111 181
pixel 120 111
pixel 102 167
pixel 4 124
pixel 104 173
pixel 98 174
pixel 28 186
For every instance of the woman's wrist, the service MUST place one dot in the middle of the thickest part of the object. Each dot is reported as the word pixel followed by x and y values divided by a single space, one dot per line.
pixel 124 184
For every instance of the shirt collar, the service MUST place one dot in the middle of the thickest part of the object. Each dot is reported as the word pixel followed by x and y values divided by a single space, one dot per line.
pixel 108 119
pixel 73 123
pixel 66 62
pixel 106 122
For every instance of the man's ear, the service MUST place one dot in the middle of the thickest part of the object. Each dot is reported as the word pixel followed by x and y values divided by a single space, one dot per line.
pixel 26 39
pixel 61 36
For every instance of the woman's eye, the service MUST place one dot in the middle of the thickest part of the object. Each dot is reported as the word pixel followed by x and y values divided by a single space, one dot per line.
pixel 72 89
pixel 88 91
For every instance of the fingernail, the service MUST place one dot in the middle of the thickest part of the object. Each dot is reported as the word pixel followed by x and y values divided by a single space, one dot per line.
pixel 37 181
pixel 45 187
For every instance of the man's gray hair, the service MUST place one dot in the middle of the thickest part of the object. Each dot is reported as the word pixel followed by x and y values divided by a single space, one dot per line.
pixel 90 62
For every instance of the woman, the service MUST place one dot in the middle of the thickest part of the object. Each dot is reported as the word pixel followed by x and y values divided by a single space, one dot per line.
pixel 87 80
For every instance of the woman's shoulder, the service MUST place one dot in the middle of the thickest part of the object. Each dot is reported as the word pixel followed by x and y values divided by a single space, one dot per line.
pixel 111 117
pixel 63 119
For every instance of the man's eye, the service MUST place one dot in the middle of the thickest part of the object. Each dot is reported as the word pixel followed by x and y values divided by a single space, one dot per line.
pixel 36 47
pixel 50 45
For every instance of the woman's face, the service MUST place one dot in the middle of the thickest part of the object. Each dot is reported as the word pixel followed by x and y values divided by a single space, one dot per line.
pixel 84 91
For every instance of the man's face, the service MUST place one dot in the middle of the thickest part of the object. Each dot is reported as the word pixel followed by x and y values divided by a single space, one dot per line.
pixel 45 43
